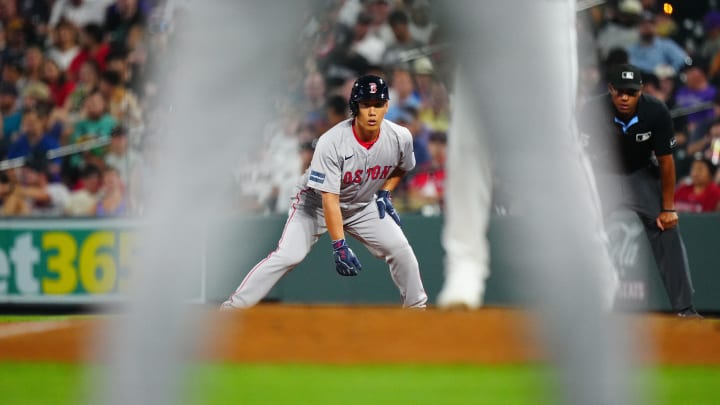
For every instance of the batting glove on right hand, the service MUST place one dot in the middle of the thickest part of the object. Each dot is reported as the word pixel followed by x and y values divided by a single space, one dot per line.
pixel 384 204
pixel 346 263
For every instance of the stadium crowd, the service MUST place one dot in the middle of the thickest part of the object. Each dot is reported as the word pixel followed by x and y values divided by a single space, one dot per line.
pixel 76 78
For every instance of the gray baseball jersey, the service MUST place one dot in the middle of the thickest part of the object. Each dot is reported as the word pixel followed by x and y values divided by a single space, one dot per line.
pixel 343 165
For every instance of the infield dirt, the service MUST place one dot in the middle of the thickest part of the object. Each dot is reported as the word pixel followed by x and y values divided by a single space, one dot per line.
pixel 278 333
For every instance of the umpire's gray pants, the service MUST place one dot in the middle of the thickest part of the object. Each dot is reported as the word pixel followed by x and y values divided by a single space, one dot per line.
pixel 641 192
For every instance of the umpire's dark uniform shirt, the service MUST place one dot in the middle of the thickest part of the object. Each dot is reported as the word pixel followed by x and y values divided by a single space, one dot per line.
pixel 621 146
pixel 621 153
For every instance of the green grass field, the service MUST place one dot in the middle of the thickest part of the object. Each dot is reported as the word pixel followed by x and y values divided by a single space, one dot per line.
pixel 58 384
pixel 61 384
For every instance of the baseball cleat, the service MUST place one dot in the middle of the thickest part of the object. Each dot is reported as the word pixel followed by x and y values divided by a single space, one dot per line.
pixel 458 301
pixel 689 313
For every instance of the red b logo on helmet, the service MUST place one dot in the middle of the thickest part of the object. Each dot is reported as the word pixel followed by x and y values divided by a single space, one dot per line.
pixel 373 88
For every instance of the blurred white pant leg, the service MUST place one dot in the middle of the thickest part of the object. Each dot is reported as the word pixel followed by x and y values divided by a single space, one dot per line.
pixel 468 198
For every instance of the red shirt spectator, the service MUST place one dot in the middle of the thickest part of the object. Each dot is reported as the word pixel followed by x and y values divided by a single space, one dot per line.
pixel 54 77
pixel 701 195
pixel 93 47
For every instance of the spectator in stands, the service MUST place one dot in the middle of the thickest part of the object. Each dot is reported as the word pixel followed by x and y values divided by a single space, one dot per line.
pixel 35 94
pixel 33 65
pixel 15 41
pixel 652 51
pixel 97 124
pixel 118 61
pixel 313 92
pixel 137 58
pixel 423 72
pixel 55 78
pixel 35 139
pixel 435 114
pixel 369 47
pixel 11 115
pixel 113 201
pixel 426 187
pixel 120 156
pixel 32 194
pixel 711 45
pixel 336 109
pixel 122 103
pixel 696 91
pixel 705 146
pixel 37 13
pixel 700 193
pixel 93 48
pixel 422 26
pixel 83 200
pixel 380 10
pixel 88 82
pixel 667 75
pixel 79 12
pixel 13 73
pixel 402 94
pixel 396 53
pixel 622 30
pixel 703 128
pixel 120 17
pixel 408 117
pixel 651 86
pixel 65 47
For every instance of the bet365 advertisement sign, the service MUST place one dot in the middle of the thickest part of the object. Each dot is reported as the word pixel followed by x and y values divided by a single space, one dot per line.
pixel 77 261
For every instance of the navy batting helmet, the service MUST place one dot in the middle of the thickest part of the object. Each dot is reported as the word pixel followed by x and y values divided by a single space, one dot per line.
pixel 368 87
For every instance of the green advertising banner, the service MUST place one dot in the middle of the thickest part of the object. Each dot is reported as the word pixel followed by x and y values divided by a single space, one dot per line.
pixel 77 261
pixel 49 261
pixel 44 261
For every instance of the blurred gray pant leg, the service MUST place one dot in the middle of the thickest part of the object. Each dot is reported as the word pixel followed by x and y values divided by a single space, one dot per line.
pixel 520 57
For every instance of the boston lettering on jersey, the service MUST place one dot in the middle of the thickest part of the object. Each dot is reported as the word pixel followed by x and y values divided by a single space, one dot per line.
pixel 371 173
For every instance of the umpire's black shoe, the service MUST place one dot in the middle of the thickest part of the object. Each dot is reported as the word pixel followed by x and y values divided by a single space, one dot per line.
pixel 689 313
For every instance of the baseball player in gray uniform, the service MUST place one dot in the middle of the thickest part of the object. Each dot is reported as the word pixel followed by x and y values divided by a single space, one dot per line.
pixel 346 189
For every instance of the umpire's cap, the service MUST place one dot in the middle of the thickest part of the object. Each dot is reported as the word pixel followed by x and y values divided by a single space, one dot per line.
pixel 625 77
pixel 368 87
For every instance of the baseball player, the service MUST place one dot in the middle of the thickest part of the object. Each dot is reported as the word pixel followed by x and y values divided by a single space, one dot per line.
pixel 625 132
pixel 346 189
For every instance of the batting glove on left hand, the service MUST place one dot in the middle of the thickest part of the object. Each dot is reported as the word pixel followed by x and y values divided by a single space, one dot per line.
pixel 384 203
pixel 346 263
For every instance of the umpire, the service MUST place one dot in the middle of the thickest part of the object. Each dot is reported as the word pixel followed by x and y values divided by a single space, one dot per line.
pixel 630 139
